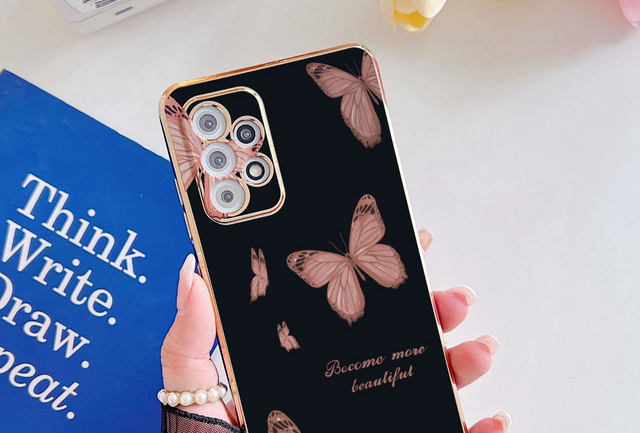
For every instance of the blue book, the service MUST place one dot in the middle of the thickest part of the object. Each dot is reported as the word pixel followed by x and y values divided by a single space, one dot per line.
pixel 92 238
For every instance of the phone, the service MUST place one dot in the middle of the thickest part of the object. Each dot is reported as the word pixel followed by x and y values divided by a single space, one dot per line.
pixel 295 201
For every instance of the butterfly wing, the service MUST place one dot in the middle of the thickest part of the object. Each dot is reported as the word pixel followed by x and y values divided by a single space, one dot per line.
pixel 356 107
pixel 318 268
pixel 369 75
pixel 286 339
pixel 285 329
pixel 383 264
pixel 262 266
pixel 291 343
pixel 186 143
pixel 345 295
pixel 367 227
pixel 244 153
pixel 277 422
pixel 360 116
pixel 281 335
pixel 379 261
pixel 334 82
pixel 260 281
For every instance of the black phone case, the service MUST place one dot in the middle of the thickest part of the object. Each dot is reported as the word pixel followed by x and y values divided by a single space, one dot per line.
pixel 326 170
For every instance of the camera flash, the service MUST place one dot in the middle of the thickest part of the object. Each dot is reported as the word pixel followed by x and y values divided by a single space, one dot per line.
pixel 256 171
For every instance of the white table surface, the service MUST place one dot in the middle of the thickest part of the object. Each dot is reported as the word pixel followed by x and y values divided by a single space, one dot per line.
pixel 518 123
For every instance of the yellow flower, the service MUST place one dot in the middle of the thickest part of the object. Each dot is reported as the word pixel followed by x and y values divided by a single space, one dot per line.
pixel 413 15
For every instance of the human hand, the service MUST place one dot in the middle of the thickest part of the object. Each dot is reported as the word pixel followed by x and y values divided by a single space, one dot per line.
pixel 186 362
pixel 186 359
pixel 472 359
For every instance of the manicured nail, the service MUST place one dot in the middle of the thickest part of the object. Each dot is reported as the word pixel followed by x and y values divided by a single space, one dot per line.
pixel 491 342
pixel 426 237
pixel 465 291
pixel 505 419
pixel 184 285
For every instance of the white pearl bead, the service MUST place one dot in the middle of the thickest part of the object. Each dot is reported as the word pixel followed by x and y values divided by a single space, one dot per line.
pixel 172 399
pixel 213 394
pixel 186 398
pixel 201 396
pixel 222 391
pixel 162 396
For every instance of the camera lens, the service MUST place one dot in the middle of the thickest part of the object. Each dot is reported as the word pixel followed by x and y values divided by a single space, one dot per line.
pixel 209 122
pixel 257 170
pixel 228 196
pixel 218 160
pixel 247 133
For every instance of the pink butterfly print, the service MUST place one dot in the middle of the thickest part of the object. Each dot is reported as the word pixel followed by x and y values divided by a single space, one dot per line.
pixel 356 92
pixel 277 422
pixel 187 145
pixel 381 262
pixel 287 340
pixel 260 282
pixel 188 148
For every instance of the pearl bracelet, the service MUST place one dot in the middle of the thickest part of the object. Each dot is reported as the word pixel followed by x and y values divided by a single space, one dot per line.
pixel 187 398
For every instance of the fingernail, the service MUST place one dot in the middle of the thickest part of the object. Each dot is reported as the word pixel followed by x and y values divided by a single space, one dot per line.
pixel 491 342
pixel 426 237
pixel 505 419
pixel 465 291
pixel 184 285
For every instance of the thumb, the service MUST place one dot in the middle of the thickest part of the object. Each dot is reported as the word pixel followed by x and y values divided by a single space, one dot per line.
pixel 186 361
pixel 194 327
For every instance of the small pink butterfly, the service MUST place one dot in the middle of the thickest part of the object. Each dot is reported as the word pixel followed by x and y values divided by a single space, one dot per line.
pixel 277 422
pixel 356 92
pixel 260 282
pixel 381 262
pixel 188 148
pixel 287 340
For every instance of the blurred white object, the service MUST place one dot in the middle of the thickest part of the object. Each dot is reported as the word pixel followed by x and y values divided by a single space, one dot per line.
pixel 90 15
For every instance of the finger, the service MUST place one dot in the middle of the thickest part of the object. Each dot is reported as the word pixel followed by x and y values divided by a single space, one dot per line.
pixel 453 305
pixel 186 361
pixel 499 423
pixel 426 237
pixel 194 326
pixel 472 359
pixel 186 364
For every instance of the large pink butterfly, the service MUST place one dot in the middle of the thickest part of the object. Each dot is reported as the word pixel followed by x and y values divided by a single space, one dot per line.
pixel 381 262
pixel 277 422
pixel 287 340
pixel 188 148
pixel 260 282
pixel 356 92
